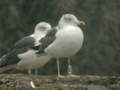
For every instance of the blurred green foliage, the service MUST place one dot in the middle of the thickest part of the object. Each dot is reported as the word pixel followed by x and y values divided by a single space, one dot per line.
pixel 100 53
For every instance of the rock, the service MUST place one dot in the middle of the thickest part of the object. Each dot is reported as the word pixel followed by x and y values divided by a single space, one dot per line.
pixel 82 82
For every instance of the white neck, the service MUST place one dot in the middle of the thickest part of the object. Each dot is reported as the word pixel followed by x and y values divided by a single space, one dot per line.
pixel 63 24
pixel 38 34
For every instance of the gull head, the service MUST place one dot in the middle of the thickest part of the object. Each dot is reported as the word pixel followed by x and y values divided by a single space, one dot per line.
pixel 42 27
pixel 70 19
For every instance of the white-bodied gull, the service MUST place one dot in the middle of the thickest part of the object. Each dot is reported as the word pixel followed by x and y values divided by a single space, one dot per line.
pixel 63 41
pixel 21 56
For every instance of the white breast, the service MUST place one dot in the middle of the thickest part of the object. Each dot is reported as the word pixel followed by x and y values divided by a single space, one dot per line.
pixel 68 42
pixel 30 60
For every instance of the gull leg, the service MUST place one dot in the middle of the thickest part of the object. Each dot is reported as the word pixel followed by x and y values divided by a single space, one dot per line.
pixel 58 69
pixel 70 69
pixel 36 71
pixel 29 72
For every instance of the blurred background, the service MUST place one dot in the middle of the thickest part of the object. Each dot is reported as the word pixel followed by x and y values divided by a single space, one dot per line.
pixel 100 54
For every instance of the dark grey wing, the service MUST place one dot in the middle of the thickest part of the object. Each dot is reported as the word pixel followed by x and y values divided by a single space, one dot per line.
pixel 46 41
pixel 20 47
pixel 26 42
pixel 9 59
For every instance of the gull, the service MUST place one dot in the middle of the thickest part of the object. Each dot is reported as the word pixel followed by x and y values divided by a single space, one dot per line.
pixel 21 56
pixel 65 40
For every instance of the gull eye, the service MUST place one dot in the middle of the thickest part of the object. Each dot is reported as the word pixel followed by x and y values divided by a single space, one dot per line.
pixel 68 19
pixel 42 28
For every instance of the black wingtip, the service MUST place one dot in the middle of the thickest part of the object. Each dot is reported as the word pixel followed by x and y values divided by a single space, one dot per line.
pixel 3 61
pixel 39 52
pixel 35 48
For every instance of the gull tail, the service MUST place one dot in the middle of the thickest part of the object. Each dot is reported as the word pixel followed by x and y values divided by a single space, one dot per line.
pixel 3 69
pixel 4 62
pixel 35 48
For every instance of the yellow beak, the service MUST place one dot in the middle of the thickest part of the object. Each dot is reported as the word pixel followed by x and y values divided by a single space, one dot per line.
pixel 81 23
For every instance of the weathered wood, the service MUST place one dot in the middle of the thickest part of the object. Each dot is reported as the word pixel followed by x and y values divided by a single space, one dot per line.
pixel 83 82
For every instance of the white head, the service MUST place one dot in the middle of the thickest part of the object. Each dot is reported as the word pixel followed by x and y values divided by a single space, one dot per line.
pixel 69 19
pixel 41 29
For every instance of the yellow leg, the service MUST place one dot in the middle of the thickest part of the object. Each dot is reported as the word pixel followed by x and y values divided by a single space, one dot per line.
pixel 36 71
pixel 29 72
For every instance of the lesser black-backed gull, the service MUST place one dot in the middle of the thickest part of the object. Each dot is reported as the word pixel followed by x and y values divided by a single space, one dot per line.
pixel 21 56
pixel 63 41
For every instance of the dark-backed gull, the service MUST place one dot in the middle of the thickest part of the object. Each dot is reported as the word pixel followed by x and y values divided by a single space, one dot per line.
pixel 63 41
pixel 21 56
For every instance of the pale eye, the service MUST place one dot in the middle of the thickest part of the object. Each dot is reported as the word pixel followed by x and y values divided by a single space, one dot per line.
pixel 42 28
pixel 68 19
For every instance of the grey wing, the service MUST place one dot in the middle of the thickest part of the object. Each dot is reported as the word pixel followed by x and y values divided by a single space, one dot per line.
pixel 26 42
pixel 46 41
pixel 20 47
